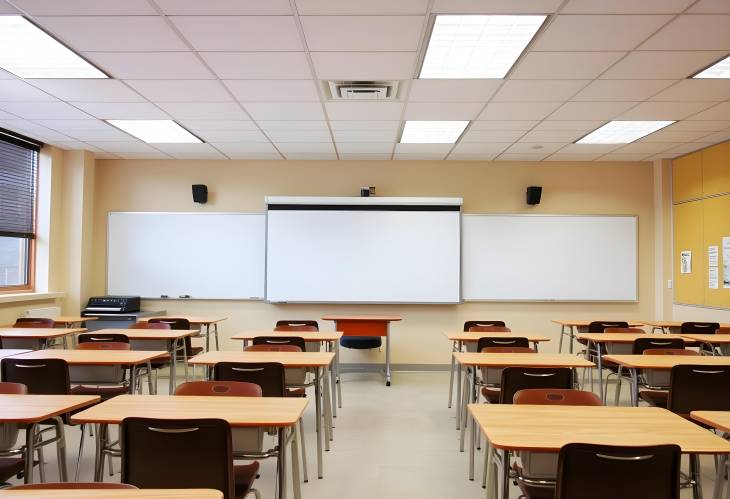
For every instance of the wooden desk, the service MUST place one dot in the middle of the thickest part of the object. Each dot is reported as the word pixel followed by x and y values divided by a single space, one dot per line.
pixel 367 325
pixel 198 321
pixel 572 328
pixel 114 494
pixel 9 352
pixel 71 320
pixel 44 336
pixel 669 326
pixel 634 363
pixel 710 341
pixel 32 409
pixel 281 413
pixel 719 420
pixel 548 428
pixel 318 361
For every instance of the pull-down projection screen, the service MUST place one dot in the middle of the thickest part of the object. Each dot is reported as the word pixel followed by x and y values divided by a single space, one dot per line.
pixel 363 250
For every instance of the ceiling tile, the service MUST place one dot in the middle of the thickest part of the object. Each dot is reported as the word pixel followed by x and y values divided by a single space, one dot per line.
pixel 521 156
pixel 538 90
pixel 134 155
pixel 4 75
pixel 589 148
pixel 664 110
pixel 308 147
pixel 591 110
pixel 702 126
pixel 423 148
pixel 185 148
pixel 374 7
pixel 471 157
pixel 199 155
pixel 43 110
pixel 150 65
pixel 17 90
pixel 86 7
pixel 204 110
pixel 216 125
pixel 309 156
pixel 696 90
pixel 692 32
pixel 114 33
pixel 575 125
pixel 110 134
pixel 70 145
pixel 710 7
pixel 135 146
pixel 292 125
pixel 438 90
pixel 645 147
pixel 473 135
pixel 248 156
pixel 561 136
pixel 299 135
pixel 355 125
pixel 284 110
pixel 591 32
pixel 364 135
pixel 418 156
pixel 496 6
pixel 7 116
pixel 7 9
pixel 273 90
pixel 561 156
pixel 623 157
pixel 534 147
pixel 225 7
pixel 661 65
pixel 229 148
pixel 625 6
pixel 520 125
pixel 564 65
pixel 481 147
pixel 232 136
pixel 259 65
pixel 442 111
pixel 355 33
pixel 37 131
pixel 687 148
pixel 240 33
pixel 364 65
pixel 74 125
pixel 365 156
pixel 123 111
pixel 88 90
pixel 715 137
pixel 718 112
pixel 181 90
pixel 365 147
pixel 518 110
pixel 669 135
pixel 621 90
pixel 364 110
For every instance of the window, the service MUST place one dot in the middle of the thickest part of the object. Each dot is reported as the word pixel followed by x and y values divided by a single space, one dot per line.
pixel 18 187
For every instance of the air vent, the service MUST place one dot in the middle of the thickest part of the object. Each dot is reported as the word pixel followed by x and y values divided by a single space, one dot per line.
pixel 363 90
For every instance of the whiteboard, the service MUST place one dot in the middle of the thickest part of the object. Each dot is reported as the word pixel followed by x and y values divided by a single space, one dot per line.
pixel 550 257
pixel 376 256
pixel 203 255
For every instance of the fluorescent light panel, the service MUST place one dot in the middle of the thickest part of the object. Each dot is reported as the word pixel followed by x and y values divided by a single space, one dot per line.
pixel 718 70
pixel 477 46
pixel 622 132
pixel 432 132
pixel 29 52
pixel 156 131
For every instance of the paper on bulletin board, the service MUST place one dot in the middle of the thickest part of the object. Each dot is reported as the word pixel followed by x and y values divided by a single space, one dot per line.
pixel 685 262
pixel 726 262
pixel 713 256
pixel 714 278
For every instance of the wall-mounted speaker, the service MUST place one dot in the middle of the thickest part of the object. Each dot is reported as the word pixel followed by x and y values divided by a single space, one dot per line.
pixel 534 193
pixel 200 193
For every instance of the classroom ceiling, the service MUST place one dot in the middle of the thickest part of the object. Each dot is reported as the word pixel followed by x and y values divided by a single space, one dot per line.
pixel 247 77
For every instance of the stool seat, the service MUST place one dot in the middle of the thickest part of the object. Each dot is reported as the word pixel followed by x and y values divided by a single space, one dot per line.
pixel 361 342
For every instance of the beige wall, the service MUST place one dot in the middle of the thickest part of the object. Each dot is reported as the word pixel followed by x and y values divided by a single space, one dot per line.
pixel 578 188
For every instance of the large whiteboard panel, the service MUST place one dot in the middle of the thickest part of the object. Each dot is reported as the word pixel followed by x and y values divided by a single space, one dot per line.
pixel 363 256
pixel 204 255
pixel 546 257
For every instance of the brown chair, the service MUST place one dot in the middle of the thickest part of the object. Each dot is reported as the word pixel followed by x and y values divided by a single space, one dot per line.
pixel 105 381
pixel 556 396
pixel 102 338
pixel 658 381
pixel 179 324
pixel 608 472
pixel 33 322
pixel 29 343
pixel 155 345
pixel 11 463
pixel 157 454
pixel 72 486
pixel 296 325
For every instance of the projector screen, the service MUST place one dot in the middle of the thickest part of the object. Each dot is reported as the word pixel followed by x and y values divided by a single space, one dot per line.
pixel 360 250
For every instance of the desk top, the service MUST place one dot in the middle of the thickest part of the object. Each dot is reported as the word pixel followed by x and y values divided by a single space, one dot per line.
pixel 670 324
pixel 151 334
pixel 39 332
pixel 288 359
pixel 35 408
pixel 521 359
pixel 306 335
pixel 9 352
pixel 475 335
pixel 115 494
pixel 192 319
pixel 549 428
pixel 716 419
pixel 238 411
pixel 94 357
pixel 72 319
pixel 666 361
pixel 715 339
pixel 363 318
pixel 624 337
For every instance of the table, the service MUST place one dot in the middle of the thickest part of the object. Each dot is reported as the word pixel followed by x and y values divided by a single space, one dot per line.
pixel 319 361
pixel 367 325
pixel 636 362
pixel 329 338
pixel 669 326
pixel 710 340
pixel 196 320
pixel 571 328
pixel 44 336
pixel 71 320
pixel 719 420
pixel 548 428
pixel 9 352
pixel 280 413
pixel 31 410
pixel 114 494
pixel 476 360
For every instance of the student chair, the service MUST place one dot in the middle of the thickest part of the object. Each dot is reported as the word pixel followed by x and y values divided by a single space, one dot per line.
pixel 29 343
pixel 34 322
pixel 12 462
pixel 699 327
pixel 295 378
pixel 102 338
pixel 104 381
pixel 591 353
pixel 184 453
pixel 608 472
pixel 724 349
pixel 656 381
pixel 180 324
pixel 155 345
pixel 302 325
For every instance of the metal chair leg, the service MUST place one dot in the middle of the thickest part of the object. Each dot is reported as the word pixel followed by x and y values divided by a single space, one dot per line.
pixel 81 450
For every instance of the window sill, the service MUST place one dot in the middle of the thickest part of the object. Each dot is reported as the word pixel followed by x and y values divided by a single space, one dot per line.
pixel 19 297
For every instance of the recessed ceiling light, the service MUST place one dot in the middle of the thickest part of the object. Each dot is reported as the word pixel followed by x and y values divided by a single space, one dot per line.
pixel 720 69
pixel 622 132
pixel 156 131
pixel 432 132
pixel 476 46
pixel 29 52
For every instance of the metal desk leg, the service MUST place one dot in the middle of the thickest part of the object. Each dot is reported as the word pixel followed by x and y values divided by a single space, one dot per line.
pixel 333 387
pixel 458 391
pixel 207 337
pixel 29 451
pixel 387 354
pixel 491 477
pixel 505 474
pixel 61 450
pixel 173 365
pixel 339 379
pixel 215 331
pixel 695 475
pixel 634 386
pixel 281 471
pixel 327 409
pixel 473 423
pixel 600 370
pixel 572 335
pixel 720 477
pixel 451 373
pixel 562 333
pixel 318 418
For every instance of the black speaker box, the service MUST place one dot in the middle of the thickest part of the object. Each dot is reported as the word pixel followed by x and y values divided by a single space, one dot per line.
pixel 534 193
pixel 200 193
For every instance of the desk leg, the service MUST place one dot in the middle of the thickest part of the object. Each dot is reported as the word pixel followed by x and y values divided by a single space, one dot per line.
pixel 318 419
pixel 451 373
pixel 207 337
pixel 572 335
pixel 491 478
pixel 634 387
pixel 29 451
pixel 387 354
pixel 339 379
pixel 215 331
pixel 695 475
pixel 333 377
pixel 720 477
pixel 458 390
pixel 600 370
pixel 281 471
pixel 61 450
pixel 472 423
pixel 505 474
pixel 327 409
pixel 173 365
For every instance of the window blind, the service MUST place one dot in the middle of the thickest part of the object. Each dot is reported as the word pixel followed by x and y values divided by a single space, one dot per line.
pixel 18 173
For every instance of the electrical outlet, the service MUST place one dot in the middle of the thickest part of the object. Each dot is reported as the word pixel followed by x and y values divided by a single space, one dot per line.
pixel 669 284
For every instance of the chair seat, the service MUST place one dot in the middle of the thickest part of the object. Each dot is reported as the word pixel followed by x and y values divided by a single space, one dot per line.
pixel 105 392
pixel 532 491
pixel 491 394
pixel 10 466
pixel 657 398
pixel 361 342
pixel 296 392
pixel 244 476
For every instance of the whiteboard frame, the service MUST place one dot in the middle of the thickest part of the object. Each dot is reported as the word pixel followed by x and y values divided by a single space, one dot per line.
pixel 482 300
pixel 177 298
